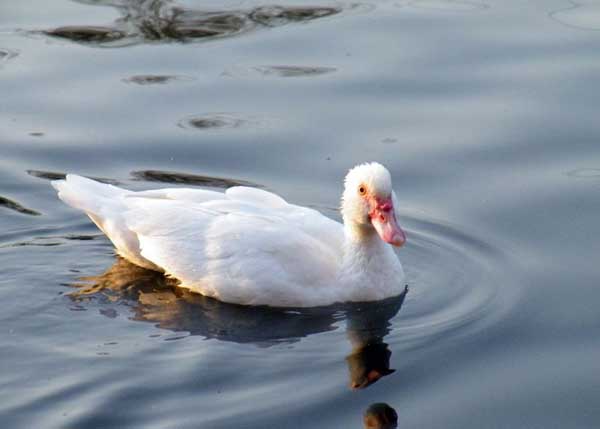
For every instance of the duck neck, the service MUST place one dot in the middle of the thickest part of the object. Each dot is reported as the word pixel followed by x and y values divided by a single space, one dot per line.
pixel 370 269
pixel 364 251
pixel 361 238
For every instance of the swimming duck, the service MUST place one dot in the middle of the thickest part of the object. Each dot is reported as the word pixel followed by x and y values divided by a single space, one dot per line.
pixel 249 246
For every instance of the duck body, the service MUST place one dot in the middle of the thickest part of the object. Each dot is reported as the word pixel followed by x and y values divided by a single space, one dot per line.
pixel 245 245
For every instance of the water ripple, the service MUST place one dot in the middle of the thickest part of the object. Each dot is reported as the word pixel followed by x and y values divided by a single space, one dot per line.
pixel 272 16
pixel 189 179
pixel 51 240
pixel 581 15
pixel 153 21
pixel 151 79
pixel 453 285
pixel 212 120
pixel 7 54
pixel 53 175
pixel 87 34
pixel 13 205
pixel 280 71
pixel 223 121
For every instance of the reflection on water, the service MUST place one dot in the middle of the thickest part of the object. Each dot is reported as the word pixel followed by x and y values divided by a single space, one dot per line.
pixel 370 357
pixel 154 298
pixel 464 103
pixel 293 71
pixel 160 176
pixel 156 79
pixel 214 120
pixel 48 175
pixel 6 55
pixel 13 205
pixel 51 240
pixel 150 21
pixel 189 179
pixel 89 34
pixel 581 14
pixel 224 120
pixel 380 416
pixel 368 363
pixel 54 175
pixel 280 71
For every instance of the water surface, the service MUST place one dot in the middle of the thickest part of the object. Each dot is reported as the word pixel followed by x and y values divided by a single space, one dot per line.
pixel 484 112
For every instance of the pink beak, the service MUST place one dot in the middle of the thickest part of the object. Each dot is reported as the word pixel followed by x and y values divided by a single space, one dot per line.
pixel 383 219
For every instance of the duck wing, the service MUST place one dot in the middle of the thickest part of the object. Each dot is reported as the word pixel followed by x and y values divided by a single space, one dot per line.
pixel 246 246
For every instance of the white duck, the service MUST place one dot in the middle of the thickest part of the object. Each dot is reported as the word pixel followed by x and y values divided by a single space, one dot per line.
pixel 249 246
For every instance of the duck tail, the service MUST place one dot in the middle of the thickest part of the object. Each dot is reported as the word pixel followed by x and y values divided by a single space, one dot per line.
pixel 86 194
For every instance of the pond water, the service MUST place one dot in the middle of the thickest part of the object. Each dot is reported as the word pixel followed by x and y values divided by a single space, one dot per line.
pixel 486 114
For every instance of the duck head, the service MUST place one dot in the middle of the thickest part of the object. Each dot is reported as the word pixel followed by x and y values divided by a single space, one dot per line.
pixel 369 203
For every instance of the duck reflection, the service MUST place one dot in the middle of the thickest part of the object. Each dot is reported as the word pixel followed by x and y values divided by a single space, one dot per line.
pixel 367 325
pixel 154 298
pixel 151 21
pixel 380 416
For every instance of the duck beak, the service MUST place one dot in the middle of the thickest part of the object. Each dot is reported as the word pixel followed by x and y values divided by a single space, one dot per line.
pixel 383 218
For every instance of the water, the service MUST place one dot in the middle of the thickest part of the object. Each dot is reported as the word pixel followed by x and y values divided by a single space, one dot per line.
pixel 486 113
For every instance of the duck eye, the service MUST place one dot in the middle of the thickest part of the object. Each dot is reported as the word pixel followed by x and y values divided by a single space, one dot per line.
pixel 362 190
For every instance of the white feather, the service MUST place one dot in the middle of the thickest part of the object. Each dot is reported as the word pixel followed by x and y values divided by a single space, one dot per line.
pixel 245 246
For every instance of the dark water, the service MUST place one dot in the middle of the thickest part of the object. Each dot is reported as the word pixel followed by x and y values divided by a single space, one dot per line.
pixel 485 113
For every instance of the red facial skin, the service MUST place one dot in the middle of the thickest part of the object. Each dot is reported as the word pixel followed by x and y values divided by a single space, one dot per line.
pixel 383 219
